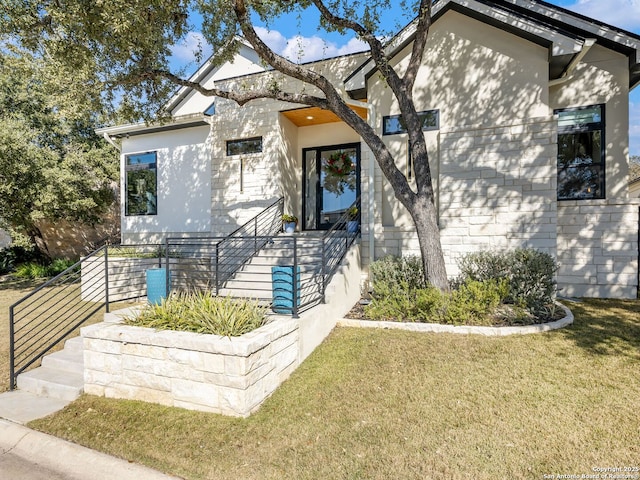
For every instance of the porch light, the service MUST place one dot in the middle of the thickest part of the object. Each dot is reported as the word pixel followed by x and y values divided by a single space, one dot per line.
pixel 309 117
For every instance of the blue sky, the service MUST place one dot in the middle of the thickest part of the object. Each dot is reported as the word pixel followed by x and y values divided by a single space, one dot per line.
pixel 290 36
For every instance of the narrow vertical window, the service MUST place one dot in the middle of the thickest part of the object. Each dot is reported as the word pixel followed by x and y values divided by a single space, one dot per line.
pixel 141 177
pixel 581 153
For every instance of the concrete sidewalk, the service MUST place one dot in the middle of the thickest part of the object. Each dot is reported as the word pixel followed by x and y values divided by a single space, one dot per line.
pixel 45 456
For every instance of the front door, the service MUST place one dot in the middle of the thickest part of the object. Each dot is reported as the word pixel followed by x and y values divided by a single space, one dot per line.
pixel 331 183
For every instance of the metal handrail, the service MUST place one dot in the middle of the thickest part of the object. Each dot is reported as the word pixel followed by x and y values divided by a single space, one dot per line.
pixel 47 315
pixel 215 262
pixel 265 224
pixel 333 261
pixel 39 326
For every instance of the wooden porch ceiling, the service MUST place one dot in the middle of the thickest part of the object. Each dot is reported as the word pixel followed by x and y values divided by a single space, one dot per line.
pixel 306 116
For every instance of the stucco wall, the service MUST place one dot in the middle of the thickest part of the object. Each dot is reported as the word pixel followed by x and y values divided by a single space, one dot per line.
pixel 277 170
pixel 184 185
pixel 603 77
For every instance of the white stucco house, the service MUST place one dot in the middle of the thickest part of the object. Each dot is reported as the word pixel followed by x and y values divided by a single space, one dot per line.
pixel 526 109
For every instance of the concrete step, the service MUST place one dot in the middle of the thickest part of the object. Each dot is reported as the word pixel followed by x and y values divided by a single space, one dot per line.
pixel 68 360
pixel 50 382
pixel 74 345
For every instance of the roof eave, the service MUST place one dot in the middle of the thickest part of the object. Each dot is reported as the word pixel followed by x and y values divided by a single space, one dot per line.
pixel 133 129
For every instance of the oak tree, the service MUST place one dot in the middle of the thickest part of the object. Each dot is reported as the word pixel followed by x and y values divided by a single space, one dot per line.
pixel 122 48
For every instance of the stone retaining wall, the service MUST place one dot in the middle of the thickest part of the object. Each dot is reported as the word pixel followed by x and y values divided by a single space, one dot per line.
pixel 231 376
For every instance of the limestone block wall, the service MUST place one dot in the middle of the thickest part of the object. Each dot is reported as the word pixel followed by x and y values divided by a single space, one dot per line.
pixel 231 376
pixel 598 248
pixel 496 190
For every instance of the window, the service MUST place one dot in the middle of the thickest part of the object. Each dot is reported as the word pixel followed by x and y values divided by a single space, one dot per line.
pixel 394 124
pixel 581 153
pixel 141 177
pixel 244 146
pixel 211 110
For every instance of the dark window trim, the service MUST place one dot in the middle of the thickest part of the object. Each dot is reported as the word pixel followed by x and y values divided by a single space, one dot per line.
pixel 239 140
pixel 589 127
pixel 134 167
pixel 403 130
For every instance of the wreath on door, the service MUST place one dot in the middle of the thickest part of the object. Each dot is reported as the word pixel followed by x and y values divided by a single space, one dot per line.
pixel 340 173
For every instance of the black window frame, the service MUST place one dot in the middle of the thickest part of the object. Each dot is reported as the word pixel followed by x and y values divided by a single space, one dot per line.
pixel 131 167
pixel 402 129
pixel 240 141
pixel 583 128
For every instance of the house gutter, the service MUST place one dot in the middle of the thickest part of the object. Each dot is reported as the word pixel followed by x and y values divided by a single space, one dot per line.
pixel 370 178
pixel 109 140
pixel 586 46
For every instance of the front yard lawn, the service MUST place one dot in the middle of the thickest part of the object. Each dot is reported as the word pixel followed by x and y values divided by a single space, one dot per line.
pixel 381 404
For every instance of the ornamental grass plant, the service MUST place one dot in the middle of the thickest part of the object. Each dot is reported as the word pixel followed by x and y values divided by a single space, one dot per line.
pixel 200 312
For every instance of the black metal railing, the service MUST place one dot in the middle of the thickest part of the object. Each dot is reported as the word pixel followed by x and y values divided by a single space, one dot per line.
pixel 45 317
pixel 208 262
pixel 249 266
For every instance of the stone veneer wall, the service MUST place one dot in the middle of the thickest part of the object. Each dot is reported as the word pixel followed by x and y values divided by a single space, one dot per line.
pixel 497 189
pixel 231 376
pixel 598 248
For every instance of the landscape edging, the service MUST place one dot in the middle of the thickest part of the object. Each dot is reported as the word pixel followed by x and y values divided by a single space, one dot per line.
pixel 463 329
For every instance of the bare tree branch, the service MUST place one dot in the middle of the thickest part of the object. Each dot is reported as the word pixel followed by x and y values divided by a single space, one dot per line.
pixel 242 98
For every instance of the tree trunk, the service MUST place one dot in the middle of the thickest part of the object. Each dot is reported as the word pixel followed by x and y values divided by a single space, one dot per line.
pixel 37 239
pixel 425 218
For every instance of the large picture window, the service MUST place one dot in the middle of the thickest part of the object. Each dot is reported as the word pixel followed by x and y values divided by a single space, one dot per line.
pixel 394 124
pixel 141 172
pixel 581 153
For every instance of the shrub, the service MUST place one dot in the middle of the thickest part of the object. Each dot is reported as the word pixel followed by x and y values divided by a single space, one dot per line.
pixel 472 303
pixel 202 313
pixel 530 274
pixel 522 278
pixel 391 274
pixel 14 255
pixel 36 270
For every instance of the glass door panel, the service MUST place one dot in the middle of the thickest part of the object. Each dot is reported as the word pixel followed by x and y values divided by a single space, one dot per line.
pixel 310 189
pixel 338 184
pixel 331 183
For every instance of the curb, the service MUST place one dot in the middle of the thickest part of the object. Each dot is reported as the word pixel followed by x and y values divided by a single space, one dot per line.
pixel 463 329
pixel 73 461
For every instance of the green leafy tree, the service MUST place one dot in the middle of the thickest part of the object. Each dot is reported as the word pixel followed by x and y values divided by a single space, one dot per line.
pixel 124 46
pixel 52 164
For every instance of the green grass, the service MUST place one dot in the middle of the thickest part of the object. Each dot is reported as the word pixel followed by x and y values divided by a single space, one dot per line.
pixel 11 292
pixel 383 404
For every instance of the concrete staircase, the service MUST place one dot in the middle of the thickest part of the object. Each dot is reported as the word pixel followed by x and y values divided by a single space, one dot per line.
pixel 253 279
pixel 61 375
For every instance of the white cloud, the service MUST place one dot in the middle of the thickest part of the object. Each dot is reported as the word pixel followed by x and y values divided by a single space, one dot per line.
pixel 620 13
pixel 185 52
pixel 307 49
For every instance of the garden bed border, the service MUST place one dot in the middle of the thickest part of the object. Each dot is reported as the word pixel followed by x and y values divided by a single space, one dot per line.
pixel 463 329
